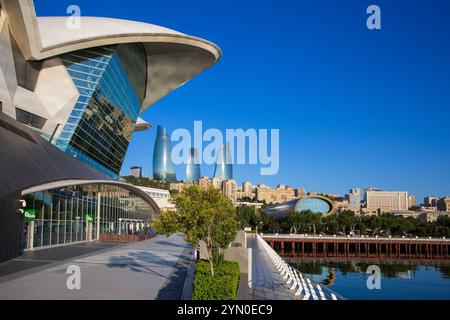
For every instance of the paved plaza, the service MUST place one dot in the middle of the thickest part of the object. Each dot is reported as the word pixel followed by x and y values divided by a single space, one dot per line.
pixel 148 270
pixel 267 283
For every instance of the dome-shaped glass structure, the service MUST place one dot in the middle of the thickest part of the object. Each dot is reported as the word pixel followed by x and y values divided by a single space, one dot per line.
pixel 315 205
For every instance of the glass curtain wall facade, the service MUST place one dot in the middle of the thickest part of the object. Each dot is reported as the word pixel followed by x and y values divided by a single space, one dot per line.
pixel 103 120
pixel 224 166
pixel 315 205
pixel 163 169
pixel 62 214
pixel 193 166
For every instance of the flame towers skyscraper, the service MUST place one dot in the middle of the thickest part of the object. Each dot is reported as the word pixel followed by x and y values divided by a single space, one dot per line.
pixel 224 166
pixel 193 166
pixel 163 169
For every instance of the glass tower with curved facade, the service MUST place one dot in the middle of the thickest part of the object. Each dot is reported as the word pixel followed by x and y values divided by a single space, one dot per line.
pixel 163 169
pixel 224 166
pixel 193 166
pixel 103 119
pixel 70 101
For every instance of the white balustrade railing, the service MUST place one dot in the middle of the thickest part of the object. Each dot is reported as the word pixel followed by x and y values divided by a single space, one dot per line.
pixel 299 284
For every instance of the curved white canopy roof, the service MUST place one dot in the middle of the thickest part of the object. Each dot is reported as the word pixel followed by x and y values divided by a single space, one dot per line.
pixel 69 183
pixel 173 58
pixel 56 37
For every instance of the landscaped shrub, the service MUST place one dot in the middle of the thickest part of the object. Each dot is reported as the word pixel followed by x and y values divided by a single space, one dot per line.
pixel 224 284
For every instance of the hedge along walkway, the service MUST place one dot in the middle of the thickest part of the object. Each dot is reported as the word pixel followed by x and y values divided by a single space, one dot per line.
pixel 152 269
pixel 267 283
pixel 224 284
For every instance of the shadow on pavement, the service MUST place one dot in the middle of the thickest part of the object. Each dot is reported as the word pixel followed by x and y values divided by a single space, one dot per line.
pixel 154 264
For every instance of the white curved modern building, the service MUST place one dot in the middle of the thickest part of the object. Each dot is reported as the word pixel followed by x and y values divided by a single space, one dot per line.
pixel 82 88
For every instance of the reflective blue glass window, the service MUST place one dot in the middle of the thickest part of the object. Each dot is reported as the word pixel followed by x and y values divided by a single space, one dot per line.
pixel 315 205
pixel 104 117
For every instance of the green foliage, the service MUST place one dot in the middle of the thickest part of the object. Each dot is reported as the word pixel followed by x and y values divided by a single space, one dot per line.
pixel 248 216
pixel 303 222
pixel 223 286
pixel 347 222
pixel 203 215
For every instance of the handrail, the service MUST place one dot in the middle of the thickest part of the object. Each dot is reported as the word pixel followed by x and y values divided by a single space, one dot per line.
pixel 300 284
pixel 315 237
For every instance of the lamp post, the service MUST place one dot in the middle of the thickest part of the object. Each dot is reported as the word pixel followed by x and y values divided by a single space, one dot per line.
pixel 261 223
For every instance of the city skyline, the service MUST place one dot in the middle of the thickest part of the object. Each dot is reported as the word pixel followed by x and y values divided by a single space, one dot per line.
pixel 302 140
pixel 374 100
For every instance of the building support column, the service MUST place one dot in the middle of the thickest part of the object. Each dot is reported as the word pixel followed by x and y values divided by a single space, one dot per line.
pixel 89 231
pixel 30 235
pixel 99 206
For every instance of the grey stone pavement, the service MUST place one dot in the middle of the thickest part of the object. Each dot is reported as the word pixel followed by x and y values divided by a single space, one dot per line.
pixel 267 283
pixel 148 270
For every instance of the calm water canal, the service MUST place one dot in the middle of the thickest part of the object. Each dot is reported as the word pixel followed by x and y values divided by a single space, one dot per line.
pixel 400 280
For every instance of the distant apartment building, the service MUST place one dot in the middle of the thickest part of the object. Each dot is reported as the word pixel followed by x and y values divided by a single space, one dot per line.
pixel 430 201
pixel 433 216
pixel 245 195
pixel 229 188
pixel 246 192
pixel 407 214
pixel 281 194
pixel 428 209
pixel 299 192
pixel 411 200
pixel 136 171
pixel 204 183
pixel 341 204
pixel 160 196
pixel 386 200
pixel 354 198
pixel 443 204
pixel 179 186
pixel 216 183
pixel 247 187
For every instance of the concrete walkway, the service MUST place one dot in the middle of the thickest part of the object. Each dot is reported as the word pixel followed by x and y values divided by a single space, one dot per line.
pixel 267 284
pixel 153 269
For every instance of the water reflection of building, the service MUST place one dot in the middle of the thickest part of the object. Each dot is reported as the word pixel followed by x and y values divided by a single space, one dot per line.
pixel 404 275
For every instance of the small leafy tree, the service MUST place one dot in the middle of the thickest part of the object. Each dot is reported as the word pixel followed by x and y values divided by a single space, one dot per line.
pixel 248 216
pixel 347 221
pixel 203 215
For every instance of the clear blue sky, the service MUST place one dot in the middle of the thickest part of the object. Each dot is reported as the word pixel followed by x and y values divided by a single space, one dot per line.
pixel 354 107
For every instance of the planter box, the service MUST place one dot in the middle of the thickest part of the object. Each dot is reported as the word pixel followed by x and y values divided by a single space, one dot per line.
pixel 125 237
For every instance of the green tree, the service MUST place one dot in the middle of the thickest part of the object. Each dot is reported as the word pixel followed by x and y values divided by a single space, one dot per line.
pixel 203 215
pixel 294 221
pixel 372 224
pixel 347 221
pixel 330 223
pixel 248 216
pixel 305 221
